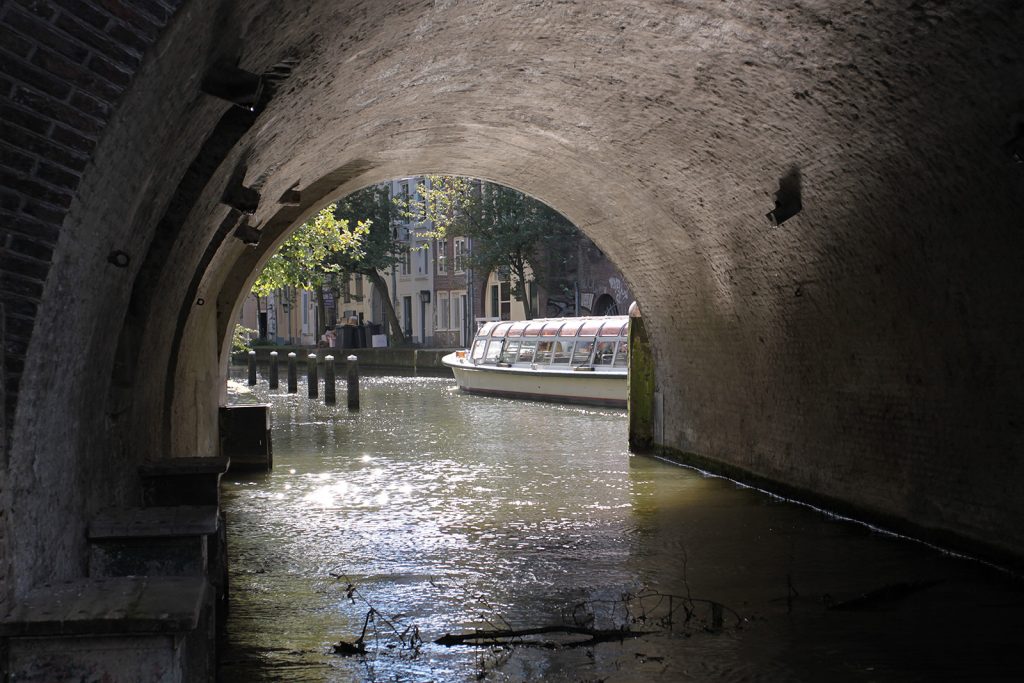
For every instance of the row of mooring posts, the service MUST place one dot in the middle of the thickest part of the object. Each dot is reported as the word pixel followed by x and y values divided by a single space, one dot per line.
pixel 312 377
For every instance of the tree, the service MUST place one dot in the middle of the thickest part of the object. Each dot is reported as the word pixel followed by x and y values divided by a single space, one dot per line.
pixel 381 250
pixel 510 230
pixel 303 260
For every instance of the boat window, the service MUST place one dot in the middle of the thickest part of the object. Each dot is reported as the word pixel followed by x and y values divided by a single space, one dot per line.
pixel 511 352
pixel 493 351
pixel 563 351
pixel 478 349
pixel 500 330
pixel 544 349
pixel 486 329
pixel 613 328
pixel 571 327
pixel 533 329
pixel 517 329
pixel 526 350
pixel 581 355
pixel 604 353
pixel 621 353
pixel 590 328
pixel 551 329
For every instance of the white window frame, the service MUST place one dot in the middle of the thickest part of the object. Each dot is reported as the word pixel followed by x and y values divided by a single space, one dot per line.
pixel 444 311
pixel 442 256
pixel 460 255
pixel 406 261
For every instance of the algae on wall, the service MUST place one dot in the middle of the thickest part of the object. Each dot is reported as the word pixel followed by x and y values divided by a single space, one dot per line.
pixel 640 391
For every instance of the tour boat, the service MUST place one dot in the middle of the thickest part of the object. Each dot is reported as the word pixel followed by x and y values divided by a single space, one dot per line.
pixel 571 360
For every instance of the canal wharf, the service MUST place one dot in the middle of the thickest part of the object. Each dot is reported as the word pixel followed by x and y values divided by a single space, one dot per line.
pixel 404 358
pixel 156 593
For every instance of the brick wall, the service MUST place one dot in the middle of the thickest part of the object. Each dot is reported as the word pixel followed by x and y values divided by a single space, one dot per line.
pixel 866 350
pixel 63 66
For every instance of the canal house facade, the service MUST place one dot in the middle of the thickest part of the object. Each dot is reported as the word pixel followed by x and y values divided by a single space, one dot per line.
pixel 439 299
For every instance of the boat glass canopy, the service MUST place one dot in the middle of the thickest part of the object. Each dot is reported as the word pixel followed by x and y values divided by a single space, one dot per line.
pixel 583 343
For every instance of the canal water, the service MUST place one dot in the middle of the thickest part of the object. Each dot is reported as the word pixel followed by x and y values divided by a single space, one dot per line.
pixel 430 512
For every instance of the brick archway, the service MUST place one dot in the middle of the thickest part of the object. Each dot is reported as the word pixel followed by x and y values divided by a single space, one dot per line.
pixel 861 352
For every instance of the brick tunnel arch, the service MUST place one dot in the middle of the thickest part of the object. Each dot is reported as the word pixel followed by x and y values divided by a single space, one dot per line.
pixel 863 353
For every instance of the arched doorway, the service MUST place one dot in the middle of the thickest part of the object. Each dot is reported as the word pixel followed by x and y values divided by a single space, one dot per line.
pixel 605 305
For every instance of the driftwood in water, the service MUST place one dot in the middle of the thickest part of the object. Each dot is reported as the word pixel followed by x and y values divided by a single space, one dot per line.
pixel 880 596
pixel 502 636
pixel 347 649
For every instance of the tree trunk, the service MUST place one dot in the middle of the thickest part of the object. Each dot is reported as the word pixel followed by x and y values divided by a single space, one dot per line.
pixel 396 336
pixel 519 273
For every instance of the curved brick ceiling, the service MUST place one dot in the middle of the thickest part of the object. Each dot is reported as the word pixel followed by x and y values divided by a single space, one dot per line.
pixel 863 353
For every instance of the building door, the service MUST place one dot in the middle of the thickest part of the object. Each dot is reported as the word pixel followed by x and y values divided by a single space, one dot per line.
pixel 462 317
pixel 407 316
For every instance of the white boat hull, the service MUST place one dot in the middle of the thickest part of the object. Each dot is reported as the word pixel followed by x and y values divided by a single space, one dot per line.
pixel 565 386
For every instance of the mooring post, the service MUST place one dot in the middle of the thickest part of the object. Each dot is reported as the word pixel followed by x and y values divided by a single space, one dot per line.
pixel 273 370
pixel 353 383
pixel 293 382
pixel 312 382
pixel 252 368
pixel 329 393
pixel 640 385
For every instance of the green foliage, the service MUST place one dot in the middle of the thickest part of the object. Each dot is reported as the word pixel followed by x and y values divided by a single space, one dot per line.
pixel 509 229
pixel 303 261
pixel 446 202
pixel 241 338
pixel 378 248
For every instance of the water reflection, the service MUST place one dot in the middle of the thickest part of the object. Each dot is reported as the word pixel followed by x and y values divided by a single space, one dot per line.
pixel 447 512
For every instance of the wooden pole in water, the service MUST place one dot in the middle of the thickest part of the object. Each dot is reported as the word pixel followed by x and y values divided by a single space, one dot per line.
pixel 293 382
pixel 640 393
pixel 312 381
pixel 252 368
pixel 329 383
pixel 353 383
pixel 273 370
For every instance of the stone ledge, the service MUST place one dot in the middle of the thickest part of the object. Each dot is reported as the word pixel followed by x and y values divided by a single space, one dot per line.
pixel 182 481
pixel 155 522
pixel 185 466
pixel 131 605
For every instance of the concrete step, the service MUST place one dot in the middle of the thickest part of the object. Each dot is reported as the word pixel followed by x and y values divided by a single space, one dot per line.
pixel 147 629
pixel 179 540
pixel 183 481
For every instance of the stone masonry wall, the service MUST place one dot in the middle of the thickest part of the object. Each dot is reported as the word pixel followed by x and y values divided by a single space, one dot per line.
pixel 865 351
pixel 63 67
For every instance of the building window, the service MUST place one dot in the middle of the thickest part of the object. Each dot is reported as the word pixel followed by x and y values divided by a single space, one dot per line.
pixel 459 317
pixel 406 261
pixel 444 312
pixel 359 286
pixel 407 316
pixel 460 254
pixel 442 257
pixel 505 293
pixel 401 198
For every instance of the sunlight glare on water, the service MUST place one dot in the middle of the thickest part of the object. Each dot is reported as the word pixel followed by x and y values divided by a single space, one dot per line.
pixel 442 512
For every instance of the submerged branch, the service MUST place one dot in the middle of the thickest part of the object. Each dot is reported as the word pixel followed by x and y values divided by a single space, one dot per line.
pixel 501 636
pixel 881 596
